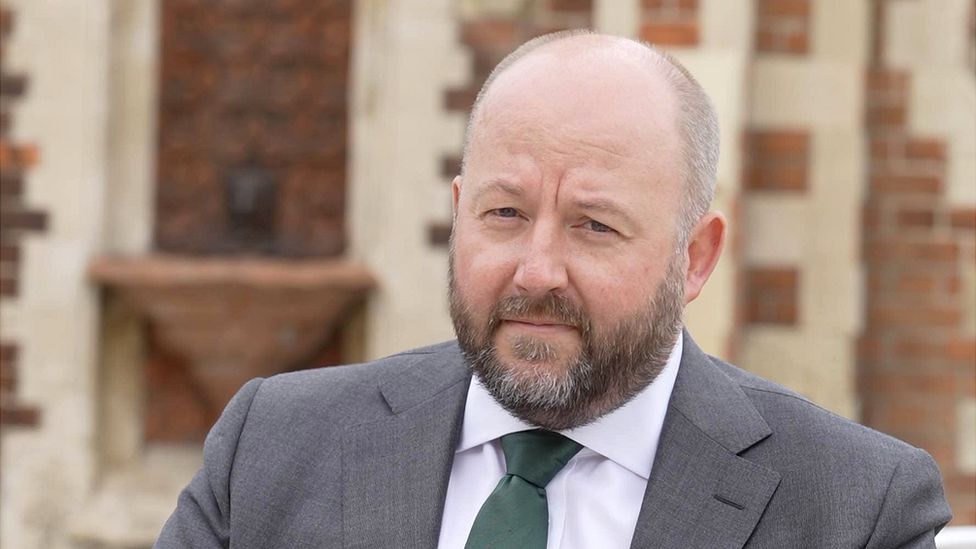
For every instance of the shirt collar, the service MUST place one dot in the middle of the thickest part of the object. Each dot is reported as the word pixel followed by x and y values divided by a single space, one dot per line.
pixel 627 436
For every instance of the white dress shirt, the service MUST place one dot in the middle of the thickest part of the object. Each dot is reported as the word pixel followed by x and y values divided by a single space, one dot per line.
pixel 593 501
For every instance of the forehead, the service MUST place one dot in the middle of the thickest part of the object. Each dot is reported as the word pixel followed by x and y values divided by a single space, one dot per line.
pixel 596 107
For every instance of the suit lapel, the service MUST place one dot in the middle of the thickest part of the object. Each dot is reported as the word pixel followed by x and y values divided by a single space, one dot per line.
pixel 396 469
pixel 701 493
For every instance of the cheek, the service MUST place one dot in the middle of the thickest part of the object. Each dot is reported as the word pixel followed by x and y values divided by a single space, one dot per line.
pixel 618 286
pixel 483 273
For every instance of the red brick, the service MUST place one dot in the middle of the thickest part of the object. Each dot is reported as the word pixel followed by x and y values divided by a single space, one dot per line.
pixel 770 295
pixel 911 383
pixel 670 34
pixel 578 6
pixel 8 286
pixel 906 184
pixel 962 349
pixel 963 218
pixel 490 34
pixel 439 234
pixel 869 348
pixel 871 217
pixel 459 99
pixel 767 41
pixel 11 183
pixel 781 178
pixel 927 317
pixel 885 148
pixel 901 250
pixel 19 416
pixel 887 81
pixel 925 149
pixel 796 43
pixel 794 9
pixel 450 166
pixel 886 115
pixel 912 218
pixel 781 142
pixel 916 283
pixel 12 86
pixel 666 5
pixel 23 220
pixel 17 156
pixel 6 22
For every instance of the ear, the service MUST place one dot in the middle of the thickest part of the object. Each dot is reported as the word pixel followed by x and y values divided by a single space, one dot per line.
pixel 455 194
pixel 704 248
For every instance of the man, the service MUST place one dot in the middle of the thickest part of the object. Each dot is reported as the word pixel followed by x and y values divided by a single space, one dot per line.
pixel 581 229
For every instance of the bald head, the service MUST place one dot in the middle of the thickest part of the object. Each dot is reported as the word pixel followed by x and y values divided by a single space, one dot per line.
pixel 599 74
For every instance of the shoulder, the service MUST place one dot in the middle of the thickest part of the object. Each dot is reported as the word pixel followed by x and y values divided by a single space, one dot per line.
pixel 347 390
pixel 795 419
pixel 842 473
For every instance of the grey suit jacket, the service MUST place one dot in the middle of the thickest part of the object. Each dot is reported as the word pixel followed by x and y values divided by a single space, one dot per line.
pixel 360 456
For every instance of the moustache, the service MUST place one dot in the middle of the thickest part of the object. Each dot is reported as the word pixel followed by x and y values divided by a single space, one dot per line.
pixel 557 309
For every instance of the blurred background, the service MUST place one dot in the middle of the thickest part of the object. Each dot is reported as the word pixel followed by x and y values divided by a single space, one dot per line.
pixel 198 192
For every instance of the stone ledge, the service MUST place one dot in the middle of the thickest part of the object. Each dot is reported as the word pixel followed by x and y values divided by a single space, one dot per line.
pixel 130 507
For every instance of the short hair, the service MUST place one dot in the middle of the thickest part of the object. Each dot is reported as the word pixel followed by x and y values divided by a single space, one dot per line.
pixel 697 122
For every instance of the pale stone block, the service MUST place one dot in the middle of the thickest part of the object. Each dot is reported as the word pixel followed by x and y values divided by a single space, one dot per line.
pixel 927 32
pixel 808 93
pixel 723 77
pixel 961 180
pixel 966 436
pixel 399 134
pixel 726 25
pixel 775 229
pixel 820 367
pixel 834 232
pixel 54 464
pixel 830 297
pixel 905 31
pixel 132 127
pixel 132 503
pixel 617 17
pixel 838 164
pixel 440 201
pixel 841 30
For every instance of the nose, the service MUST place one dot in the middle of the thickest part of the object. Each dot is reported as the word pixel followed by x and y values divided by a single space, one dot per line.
pixel 542 265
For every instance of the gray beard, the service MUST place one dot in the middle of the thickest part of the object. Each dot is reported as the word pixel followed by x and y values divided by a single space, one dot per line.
pixel 609 370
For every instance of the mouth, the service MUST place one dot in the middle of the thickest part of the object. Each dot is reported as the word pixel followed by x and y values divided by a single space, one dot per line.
pixel 539 326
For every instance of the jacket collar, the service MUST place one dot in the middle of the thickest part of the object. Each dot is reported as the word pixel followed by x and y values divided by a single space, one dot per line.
pixel 702 493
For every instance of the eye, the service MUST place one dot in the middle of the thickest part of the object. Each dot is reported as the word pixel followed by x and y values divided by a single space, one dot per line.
pixel 504 212
pixel 598 227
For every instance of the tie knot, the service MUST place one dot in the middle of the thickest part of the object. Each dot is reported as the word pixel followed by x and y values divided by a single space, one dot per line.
pixel 537 455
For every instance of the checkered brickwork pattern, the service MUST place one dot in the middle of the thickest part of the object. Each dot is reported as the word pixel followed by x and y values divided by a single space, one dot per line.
pixel 917 359
pixel 17 220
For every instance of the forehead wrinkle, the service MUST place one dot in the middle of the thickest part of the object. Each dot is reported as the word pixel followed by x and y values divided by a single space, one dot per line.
pixel 497 185
pixel 600 204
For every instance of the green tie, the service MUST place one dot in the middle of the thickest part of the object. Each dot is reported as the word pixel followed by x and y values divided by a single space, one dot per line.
pixel 516 514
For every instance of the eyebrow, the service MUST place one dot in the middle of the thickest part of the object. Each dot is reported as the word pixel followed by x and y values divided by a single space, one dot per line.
pixel 603 205
pixel 497 185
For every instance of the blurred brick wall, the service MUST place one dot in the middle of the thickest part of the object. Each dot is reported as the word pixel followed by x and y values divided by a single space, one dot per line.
pixel 783 26
pixel 17 219
pixel 670 23
pixel 776 161
pixel 257 87
pixel 250 89
pixel 917 359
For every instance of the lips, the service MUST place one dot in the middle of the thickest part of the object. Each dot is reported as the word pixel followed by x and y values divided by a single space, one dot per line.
pixel 538 325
